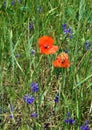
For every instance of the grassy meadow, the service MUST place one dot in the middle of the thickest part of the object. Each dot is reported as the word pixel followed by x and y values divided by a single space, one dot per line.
pixel 63 99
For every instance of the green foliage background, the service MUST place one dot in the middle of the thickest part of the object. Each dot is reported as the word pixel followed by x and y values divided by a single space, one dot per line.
pixel 74 85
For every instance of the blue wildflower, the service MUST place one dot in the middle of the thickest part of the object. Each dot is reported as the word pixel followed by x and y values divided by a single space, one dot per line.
pixel 68 114
pixel 56 99
pixel 32 51
pixel 69 120
pixel 13 2
pixel 67 31
pixel 46 125
pixel 11 108
pixel 85 126
pixel 11 116
pixel 66 51
pixel 34 115
pixel 40 9
pixel 4 4
pixel 31 27
pixel 17 55
pixel 11 111
pixel 34 87
pixel 87 45
pixel 64 26
pixel 29 99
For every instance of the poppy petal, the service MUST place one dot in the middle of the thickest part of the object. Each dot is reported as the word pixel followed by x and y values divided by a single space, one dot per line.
pixel 63 56
pixel 62 61
pixel 51 50
pixel 45 40
pixel 56 63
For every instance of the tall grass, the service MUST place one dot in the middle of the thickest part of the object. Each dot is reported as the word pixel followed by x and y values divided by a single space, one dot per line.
pixel 19 67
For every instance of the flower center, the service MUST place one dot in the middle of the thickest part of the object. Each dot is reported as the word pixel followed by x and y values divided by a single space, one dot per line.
pixel 62 61
pixel 46 46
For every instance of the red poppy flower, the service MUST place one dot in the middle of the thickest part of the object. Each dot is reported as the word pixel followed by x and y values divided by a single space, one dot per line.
pixel 62 61
pixel 46 45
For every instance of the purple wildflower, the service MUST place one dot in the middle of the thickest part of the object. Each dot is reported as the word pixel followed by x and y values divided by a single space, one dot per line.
pixel 69 120
pixel 66 51
pixel 87 45
pixel 68 114
pixel 34 115
pixel 32 51
pixel 29 99
pixel 64 26
pixel 11 116
pixel 56 99
pixel 17 55
pixel 11 111
pixel 11 108
pixel 31 27
pixel 4 4
pixel 34 87
pixel 46 125
pixel 40 9
pixel 67 31
pixel 13 2
pixel 85 126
